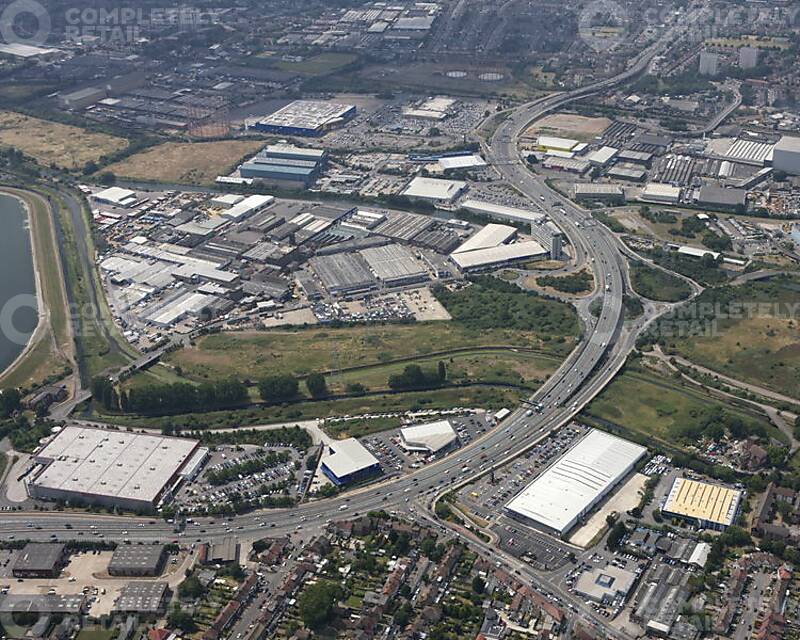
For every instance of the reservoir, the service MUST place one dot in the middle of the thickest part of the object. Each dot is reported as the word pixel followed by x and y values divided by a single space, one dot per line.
pixel 18 315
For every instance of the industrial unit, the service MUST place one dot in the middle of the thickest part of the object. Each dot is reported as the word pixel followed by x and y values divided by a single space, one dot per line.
pixel 395 265
pixel 306 118
pixel 605 584
pixel 111 468
pixel 284 163
pixel 347 461
pixel 706 505
pixel 496 257
pixel 434 189
pixel 344 273
pixel 432 437
pixel 786 155
pixel 568 489
pixel 660 193
pixel 137 560
pixel 40 560
pixel 142 598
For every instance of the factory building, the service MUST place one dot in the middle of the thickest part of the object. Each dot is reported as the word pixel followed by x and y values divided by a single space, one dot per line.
pixel 142 598
pixel 133 471
pixel 434 189
pixel 344 273
pixel 138 560
pixel 433 438
pixel 492 235
pixel 717 197
pixel 594 192
pixel 347 461
pixel 603 156
pixel 395 265
pixel 557 499
pixel 306 118
pixel 786 155
pixel 502 212
pixel 285 164
pixel 706 505
pixel 660 193
pixel 500 256
pixel 40 560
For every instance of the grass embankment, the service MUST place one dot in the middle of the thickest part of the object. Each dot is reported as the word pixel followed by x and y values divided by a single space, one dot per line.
pixel 749 333
pixel 98 342
pixel 661 410
pixel 655 284
pixel 49 355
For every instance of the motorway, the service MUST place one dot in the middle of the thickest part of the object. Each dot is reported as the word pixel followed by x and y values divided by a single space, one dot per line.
pixel 599 355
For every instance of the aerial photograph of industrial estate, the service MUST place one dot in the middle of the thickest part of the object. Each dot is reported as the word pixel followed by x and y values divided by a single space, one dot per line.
pixel 399 319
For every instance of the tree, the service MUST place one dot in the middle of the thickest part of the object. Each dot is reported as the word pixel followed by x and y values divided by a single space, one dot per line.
pixel 618 532
pixel 356 389
pixel 191 588
pixel 442 369
pixel 277 388
pixel 316 385
pixel 9 401
pixel 179 619
pixel 317 604
pixel 478 585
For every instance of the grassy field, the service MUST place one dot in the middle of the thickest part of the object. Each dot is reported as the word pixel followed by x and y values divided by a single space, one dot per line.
pixel 50 355
pixel 757 344
pixel 361 427
pixel 320 65
pixel 96 633
pixel 185 162
pixel 253 355
pixel 657 408
pixel 446 398
pixel 48 142
pixel 658 285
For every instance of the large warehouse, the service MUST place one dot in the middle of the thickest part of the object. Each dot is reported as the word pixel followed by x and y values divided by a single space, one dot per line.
pixel 786 155
pixel 567 490
pixel 307 118
pixel 346 461
pixel 395 265
pixel 112 468
pixel 706 505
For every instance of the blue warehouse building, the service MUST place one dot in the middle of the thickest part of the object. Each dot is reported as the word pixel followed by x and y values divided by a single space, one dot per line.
pixel 347 461
pixel 285 163
pixel 311 118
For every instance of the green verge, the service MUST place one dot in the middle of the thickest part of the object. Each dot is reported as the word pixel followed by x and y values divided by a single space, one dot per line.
pixel 657 410
pixel 655 284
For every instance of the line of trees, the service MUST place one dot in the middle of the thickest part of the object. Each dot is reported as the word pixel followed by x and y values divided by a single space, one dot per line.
pixel 161 399
pixel 415 377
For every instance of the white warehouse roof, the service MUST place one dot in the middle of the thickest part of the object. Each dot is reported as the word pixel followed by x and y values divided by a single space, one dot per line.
pixel 470 161
pixel 576 481
pixel 434 189
pixel 497 255
pixel 432 437
pixel 84 462
pixel 346 457
pixel 502 211
pixel 491 235
pixel 114 195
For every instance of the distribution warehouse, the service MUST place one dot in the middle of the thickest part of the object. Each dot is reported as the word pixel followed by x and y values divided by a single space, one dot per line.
pixel 111 468
pixel 557 499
